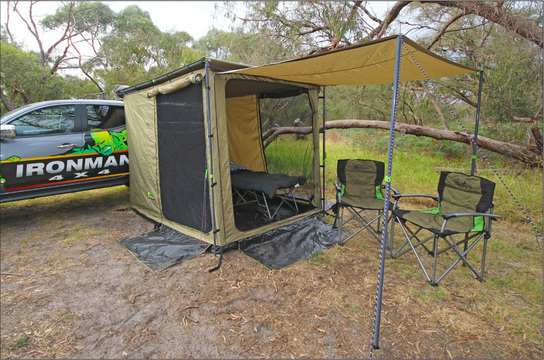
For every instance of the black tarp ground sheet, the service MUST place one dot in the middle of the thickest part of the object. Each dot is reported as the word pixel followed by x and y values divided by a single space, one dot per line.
pixel 275 249
pixel 284 246
pixel 164 247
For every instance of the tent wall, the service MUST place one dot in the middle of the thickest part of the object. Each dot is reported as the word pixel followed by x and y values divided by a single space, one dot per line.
pixel 150 160
pixel 141 122
pixel 168 127
pixel 244 132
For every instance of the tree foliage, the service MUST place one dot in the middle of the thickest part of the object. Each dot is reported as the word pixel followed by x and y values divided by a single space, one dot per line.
pixel 105 47
pixel 136 50
pixel 23 80
pixel 502 38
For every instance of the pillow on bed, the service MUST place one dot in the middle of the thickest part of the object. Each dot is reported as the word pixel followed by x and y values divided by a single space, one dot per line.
pixel 235 167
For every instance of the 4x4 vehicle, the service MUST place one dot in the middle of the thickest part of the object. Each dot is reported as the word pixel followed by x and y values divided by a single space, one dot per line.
pixel 60 146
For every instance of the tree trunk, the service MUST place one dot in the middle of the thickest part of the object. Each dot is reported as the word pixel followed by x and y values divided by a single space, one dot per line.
pixel 530 155
pixel 8 104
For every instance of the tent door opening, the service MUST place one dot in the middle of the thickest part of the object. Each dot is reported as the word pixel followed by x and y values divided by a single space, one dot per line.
pixel 271 151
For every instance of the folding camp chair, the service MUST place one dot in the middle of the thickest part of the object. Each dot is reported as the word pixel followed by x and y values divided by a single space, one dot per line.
pixel 359 188
pixel 463 217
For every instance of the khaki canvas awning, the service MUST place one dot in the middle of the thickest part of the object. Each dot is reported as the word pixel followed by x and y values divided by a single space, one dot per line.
pixel 362 64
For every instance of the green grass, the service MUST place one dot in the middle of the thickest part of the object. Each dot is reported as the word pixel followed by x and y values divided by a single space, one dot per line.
pixel 511 298
pixel 76 233
pixel 430 294
pixel 416 169
pixel 416 166
pixel 320 258
pixel 289 156
pixel 20 342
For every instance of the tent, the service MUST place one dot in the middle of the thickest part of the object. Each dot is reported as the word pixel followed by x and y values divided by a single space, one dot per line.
pixel 190 129
pixel 187 127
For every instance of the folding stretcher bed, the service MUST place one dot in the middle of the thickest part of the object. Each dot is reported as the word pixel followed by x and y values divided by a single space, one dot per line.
pixel 254 186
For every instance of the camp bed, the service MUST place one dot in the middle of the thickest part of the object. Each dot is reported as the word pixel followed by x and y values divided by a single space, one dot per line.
pixel 252 186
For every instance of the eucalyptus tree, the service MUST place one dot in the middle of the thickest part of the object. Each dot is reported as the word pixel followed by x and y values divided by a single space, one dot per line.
pixel 502 38
pixel 73 33
pixel 78 25
pixel 90 39
pixel 23 80
pixel 136 50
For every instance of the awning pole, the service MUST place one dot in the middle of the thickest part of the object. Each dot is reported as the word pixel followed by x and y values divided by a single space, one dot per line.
pixel 377 317
pixel 324 152
pixel 475 142
pixel 210 135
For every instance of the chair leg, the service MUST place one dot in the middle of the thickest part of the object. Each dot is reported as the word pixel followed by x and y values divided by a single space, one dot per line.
pixel 365 225
pixel 461 256
pixel 465 245
pixel 435 258
pixel 413 235
pixel 266 205
pixel 391 235
pixel 340 216
pixel 408 239
pixel 484 253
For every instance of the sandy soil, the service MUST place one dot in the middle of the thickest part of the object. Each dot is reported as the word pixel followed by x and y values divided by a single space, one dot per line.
pixel 70 290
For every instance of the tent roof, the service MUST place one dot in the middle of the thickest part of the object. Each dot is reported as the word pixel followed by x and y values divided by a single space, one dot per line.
pixel 362 64
pixel 215 65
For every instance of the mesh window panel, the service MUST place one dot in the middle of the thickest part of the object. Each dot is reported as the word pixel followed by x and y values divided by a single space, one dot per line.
pixel 182 158
pixel 290 154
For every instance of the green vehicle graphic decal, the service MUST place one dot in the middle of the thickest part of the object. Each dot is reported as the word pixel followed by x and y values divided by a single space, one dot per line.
pixel 104 154
pixel 12 159
pixel 103 143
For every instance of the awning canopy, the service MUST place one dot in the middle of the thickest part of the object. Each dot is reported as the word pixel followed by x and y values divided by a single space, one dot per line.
pixel 362 64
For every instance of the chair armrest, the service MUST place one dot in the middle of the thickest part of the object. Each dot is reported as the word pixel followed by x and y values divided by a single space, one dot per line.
pixel 452 215
pixel 337 186
pixel 447 217
pixel 395 191
pixel 399 196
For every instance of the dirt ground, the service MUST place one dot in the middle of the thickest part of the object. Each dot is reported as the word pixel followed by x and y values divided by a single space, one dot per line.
pixel 70 290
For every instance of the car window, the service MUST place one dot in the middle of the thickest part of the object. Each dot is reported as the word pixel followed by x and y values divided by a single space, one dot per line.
pixel 104 116
pixel 51 120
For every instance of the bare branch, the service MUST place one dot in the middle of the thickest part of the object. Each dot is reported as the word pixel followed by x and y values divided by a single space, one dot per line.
pixel 33 29
pixel 439 35
pixel 436 105
pixel 12 42
pixel 85 72
pixel 526 29
pixel 393 14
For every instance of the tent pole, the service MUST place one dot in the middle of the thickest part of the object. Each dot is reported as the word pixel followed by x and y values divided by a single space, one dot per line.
pixel 211 175
pixel 475 143
pixel 324 152
pixel 377 316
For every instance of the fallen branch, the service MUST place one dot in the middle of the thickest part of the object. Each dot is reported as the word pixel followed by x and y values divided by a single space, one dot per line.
pixel 530 155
